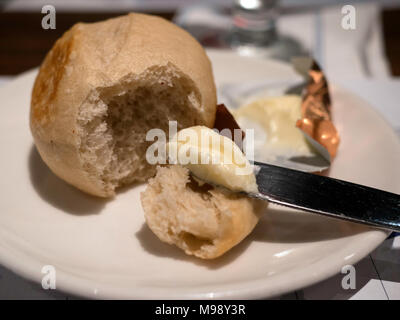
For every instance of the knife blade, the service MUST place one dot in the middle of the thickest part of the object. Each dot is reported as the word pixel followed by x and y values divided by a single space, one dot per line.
pixel 328 196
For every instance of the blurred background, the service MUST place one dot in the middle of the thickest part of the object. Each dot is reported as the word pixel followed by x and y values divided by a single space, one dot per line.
pixel 364 59
pixel 275 29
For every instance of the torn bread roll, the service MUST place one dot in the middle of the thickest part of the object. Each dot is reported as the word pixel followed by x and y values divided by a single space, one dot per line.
pixel 203 220
pixel 104 85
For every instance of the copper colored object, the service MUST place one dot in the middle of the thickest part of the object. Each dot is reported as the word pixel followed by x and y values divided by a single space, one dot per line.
pixel 316 118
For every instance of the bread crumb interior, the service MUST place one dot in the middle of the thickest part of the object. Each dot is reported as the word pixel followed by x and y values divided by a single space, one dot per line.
pixel 114 121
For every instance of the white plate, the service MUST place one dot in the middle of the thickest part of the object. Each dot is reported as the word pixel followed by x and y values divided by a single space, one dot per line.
pixel 104 249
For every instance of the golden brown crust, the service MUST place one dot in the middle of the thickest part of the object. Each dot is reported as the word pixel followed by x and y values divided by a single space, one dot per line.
pixel 49 77
pixel 96 55
pixel 245 214
pixel 202 220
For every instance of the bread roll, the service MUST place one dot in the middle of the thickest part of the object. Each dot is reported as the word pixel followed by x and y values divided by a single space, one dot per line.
pixel 104 85
pixel 202 220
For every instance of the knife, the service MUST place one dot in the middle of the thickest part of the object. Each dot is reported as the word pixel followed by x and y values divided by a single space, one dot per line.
pixel 327 196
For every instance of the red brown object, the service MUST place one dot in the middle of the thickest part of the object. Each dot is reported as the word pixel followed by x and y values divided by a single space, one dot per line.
pixel 225 120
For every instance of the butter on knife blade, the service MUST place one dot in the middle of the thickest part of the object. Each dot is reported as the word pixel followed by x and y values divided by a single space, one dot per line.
pixel 213 158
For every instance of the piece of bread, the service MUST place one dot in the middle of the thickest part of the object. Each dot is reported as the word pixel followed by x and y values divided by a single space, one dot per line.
pixel 104 85
pixel 202 220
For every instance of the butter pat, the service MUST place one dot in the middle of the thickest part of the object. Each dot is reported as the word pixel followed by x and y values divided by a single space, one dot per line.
pixel 213 158
pixel 274 121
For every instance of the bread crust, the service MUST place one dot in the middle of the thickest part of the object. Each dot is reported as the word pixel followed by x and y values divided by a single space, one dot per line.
pixel 204 223
pixel 97 55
